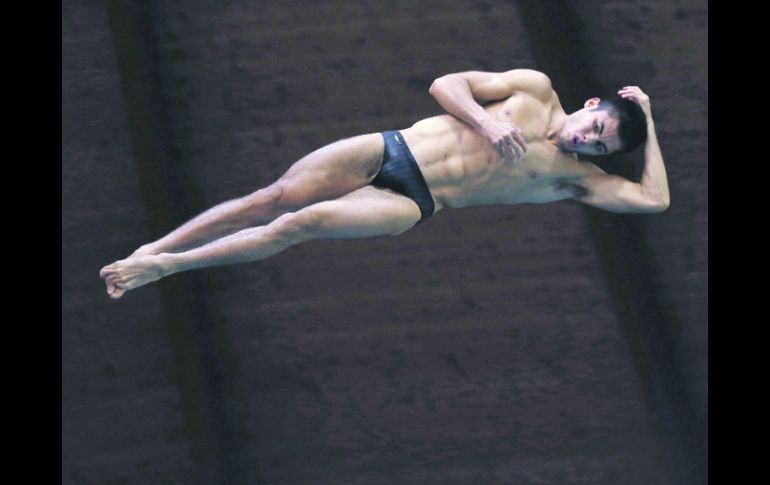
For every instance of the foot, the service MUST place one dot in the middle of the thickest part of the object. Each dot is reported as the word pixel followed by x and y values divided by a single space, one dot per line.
pixel 133 272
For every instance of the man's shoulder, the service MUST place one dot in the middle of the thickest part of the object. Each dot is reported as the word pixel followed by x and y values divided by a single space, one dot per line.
pixel 534 82
pixel 532 75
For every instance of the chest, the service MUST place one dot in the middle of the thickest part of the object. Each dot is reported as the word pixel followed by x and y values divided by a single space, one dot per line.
pixel 543 175
pixel 530 114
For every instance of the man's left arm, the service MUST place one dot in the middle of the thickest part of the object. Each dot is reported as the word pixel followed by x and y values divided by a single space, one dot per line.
pixel 617 194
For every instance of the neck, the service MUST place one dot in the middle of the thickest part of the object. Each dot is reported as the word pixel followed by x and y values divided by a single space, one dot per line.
pixel 555 127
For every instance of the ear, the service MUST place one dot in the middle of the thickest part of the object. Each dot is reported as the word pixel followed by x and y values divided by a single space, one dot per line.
pixel 592 103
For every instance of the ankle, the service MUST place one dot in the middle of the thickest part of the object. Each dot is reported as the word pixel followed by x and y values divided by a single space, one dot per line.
pixel 168 263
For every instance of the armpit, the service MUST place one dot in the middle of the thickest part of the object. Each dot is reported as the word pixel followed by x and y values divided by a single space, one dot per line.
pixel 571 189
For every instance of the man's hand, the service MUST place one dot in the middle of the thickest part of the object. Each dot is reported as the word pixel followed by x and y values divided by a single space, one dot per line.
pixel 638 96
pixel 505 137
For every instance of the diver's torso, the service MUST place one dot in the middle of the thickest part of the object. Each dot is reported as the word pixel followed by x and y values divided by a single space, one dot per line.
pixel 462 168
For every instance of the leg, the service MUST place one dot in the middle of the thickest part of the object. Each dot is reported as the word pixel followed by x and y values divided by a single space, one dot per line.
pixel 366 212
pixel 327 173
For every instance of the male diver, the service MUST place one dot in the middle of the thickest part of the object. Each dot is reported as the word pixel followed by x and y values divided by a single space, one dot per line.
pixel 505 140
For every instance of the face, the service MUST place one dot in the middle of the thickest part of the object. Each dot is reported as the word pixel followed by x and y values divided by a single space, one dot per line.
pixel 590 131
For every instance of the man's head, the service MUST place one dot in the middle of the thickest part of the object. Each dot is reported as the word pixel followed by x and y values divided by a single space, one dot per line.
pixel 603 127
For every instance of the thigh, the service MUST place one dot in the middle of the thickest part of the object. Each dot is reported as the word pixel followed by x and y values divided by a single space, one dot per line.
pixel 332 171
pixel 366 212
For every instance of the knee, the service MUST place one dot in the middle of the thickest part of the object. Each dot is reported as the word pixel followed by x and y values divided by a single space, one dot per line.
pixel 294 227
pixel 265 201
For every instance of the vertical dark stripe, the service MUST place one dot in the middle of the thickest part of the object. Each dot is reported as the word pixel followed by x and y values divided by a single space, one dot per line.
pixel 196 340
pixel 647 323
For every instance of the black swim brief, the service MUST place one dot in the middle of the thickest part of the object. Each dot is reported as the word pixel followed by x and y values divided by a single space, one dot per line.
pixel 400 173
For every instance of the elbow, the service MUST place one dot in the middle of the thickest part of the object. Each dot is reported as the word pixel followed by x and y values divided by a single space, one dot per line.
pixel 657 201
pixel 659 206
pixel 441 83
pixel 646 206
pixel 435 85
pixel 664 202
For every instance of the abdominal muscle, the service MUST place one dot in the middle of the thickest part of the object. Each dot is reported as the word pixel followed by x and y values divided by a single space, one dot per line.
pixel 462 168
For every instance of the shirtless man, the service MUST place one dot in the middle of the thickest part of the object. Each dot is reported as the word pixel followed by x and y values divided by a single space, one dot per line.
pixel 506 140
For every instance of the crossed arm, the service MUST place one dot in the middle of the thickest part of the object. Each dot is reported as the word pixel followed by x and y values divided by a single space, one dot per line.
pixel 462 93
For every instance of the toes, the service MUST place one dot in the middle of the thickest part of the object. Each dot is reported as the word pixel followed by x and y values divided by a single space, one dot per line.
pixel 111 268
pixel 113 282
pixel 107 270
pixel 115 289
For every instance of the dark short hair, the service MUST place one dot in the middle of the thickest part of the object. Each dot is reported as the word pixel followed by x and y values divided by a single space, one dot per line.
pixel 632 126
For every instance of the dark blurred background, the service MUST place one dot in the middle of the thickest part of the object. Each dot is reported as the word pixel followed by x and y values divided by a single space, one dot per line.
pixel 529 344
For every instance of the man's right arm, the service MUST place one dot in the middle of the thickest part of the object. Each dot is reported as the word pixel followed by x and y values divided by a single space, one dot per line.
pixel 453 93
pixel 460 95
